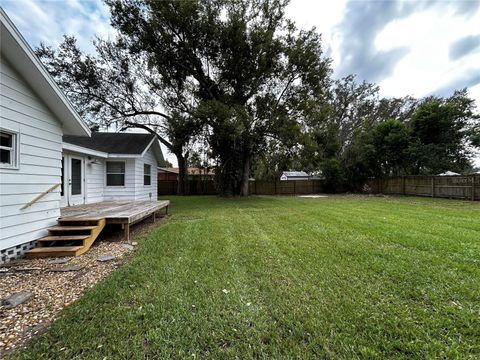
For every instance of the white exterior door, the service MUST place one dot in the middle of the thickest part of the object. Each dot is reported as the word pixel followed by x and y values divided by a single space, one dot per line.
pixel 73 180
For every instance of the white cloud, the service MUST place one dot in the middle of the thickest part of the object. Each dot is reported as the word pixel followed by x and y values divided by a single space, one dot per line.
pixel 47 21
pixel 426 34
pixel 322 15
pixel 428 67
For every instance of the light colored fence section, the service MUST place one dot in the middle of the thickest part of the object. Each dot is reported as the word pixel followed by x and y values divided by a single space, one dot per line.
pixel 454 187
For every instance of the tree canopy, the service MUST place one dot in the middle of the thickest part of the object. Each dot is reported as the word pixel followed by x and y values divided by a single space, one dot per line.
pixel 238 80
pixel 250 73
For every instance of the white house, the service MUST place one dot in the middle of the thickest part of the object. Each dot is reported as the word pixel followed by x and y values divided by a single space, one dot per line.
pixel 34 114
pixel 109 166
pixel 294 175
pixel 448 173
pixel 48 157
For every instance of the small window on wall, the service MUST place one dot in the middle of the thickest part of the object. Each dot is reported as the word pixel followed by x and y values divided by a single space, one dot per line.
pixel 147 174
pixel 8 149
pixel 115 173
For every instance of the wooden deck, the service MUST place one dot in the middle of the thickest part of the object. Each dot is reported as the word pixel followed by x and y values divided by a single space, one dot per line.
pixel 125 213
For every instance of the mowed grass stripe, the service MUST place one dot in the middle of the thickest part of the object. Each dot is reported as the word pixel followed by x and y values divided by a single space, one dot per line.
pixel 424 235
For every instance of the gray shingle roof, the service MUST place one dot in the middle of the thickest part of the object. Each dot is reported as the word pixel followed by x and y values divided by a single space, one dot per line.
pixel 295 173
pixel 112 143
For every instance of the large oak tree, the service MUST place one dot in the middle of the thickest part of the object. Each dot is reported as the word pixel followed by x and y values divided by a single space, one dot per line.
pixel 240 66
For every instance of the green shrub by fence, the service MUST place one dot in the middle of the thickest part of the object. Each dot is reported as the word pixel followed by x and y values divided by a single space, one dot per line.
pixel 454 187
pixel 207 187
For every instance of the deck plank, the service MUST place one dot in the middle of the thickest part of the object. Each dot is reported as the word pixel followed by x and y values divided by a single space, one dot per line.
pixel 125 212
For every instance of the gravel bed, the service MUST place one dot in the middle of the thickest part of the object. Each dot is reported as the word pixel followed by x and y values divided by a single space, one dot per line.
pixel 54 290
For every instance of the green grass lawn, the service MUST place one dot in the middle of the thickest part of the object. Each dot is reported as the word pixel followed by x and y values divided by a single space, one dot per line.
pixel 282 278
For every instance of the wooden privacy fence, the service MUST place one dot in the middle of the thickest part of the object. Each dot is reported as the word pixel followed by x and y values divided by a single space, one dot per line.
pixel 292 187
pixel 194 187
pixel 454 187
pixel 207 187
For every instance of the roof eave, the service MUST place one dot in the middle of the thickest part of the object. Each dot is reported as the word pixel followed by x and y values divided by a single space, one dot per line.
pixel 83 150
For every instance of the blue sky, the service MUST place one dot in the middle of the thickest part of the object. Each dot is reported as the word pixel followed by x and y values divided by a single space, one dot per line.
pixel 407 47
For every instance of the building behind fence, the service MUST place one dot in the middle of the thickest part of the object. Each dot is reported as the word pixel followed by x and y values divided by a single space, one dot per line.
pixel 454 187
pixel 207 187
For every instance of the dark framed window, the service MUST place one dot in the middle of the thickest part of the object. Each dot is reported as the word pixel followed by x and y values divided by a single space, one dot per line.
pixel 76 176
pixel 147 174
pixel 115 173
pixel 8 148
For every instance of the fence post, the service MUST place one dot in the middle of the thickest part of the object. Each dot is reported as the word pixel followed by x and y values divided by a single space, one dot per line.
pixel 294 187
pixel 403 185
pixel 433 186
pixel 275 187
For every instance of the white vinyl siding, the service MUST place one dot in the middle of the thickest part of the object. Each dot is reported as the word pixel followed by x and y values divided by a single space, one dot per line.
pixel 94 178
pixel 39 136
pixel 126 192
pixel 146 192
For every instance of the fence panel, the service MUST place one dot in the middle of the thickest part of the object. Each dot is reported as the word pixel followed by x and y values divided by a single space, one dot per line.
pixel 167 187
pixel 476 187
pixel 201 187
pixel 418 185
pixel 306 187
pixel 207 187
pixel 454 187
pixel 285 187
pixel 262 187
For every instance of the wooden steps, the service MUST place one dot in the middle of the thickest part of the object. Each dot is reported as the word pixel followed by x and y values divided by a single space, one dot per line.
pixel 53 251
pixel 64 238
pixel 70 228
pixel 72 237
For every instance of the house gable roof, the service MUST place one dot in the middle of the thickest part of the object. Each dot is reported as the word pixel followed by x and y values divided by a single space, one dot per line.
pixel 118 144
pixel 113 143
pixel 295 174
pixel 18 53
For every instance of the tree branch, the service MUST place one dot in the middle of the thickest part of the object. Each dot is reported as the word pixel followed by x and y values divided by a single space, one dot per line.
pixel 129 124
pixel 292 78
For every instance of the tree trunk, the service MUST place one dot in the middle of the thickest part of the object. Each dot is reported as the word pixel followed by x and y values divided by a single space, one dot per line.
pixel 226 178
pixel 182 173
pixel 245 176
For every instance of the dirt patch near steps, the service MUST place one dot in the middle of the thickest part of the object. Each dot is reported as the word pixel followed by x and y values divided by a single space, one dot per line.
pixel 53 290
